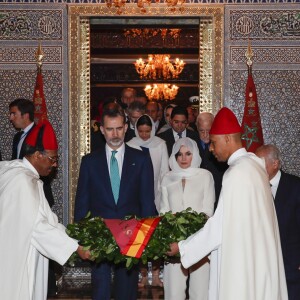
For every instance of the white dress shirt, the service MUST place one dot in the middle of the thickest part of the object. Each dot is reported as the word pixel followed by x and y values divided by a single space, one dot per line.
pixel 23 136
pixel 275 182
pixel 119 156
pixel 176 136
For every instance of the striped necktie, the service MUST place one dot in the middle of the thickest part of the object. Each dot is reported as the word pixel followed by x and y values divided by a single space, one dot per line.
pixel 114 176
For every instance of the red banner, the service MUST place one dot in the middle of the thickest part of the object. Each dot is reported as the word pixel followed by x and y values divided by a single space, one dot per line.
pixel 132 236
pixel 252 136
pixel 40 109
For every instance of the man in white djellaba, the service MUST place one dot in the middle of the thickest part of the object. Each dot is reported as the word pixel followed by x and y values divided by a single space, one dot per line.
pixel 29 230
pixel 242 236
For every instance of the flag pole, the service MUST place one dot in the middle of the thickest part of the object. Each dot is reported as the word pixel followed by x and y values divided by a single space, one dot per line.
pixel 249 55
pixel 252 135
pixel 40 108
pixel 39 55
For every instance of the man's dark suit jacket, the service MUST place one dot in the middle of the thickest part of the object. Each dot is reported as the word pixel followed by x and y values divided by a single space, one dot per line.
pixel 94 191
pixel 210 163
pixel 130 133
pixel 168 137
pixel 287 204
pixel 136 197
pixel 46 179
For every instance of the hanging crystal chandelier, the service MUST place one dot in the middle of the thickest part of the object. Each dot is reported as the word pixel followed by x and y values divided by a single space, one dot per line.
pixel 161 91
pixel 159 66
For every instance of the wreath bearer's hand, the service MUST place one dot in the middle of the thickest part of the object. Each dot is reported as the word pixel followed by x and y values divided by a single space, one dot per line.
pixel 84 254
pixel 173 249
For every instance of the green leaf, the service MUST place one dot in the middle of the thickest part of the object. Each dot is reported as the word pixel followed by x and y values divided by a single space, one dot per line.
pixel 92 233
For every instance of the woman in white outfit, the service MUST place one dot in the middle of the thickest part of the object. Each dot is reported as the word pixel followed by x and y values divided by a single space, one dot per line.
pixel 147 141
pixel 145 138
pixel 186 185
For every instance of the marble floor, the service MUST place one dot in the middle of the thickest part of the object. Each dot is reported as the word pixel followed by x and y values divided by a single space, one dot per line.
pixel 69 292
pixel 75 284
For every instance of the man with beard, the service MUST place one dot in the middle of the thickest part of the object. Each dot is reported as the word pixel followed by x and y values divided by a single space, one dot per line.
pixel 115 182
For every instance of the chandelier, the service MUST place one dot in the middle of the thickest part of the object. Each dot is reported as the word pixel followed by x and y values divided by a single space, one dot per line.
pixel 120 4
pixel 161 91
pixel 159 66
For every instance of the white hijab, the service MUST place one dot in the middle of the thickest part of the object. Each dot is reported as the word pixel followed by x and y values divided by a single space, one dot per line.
pixel 152 142
pixel 177 172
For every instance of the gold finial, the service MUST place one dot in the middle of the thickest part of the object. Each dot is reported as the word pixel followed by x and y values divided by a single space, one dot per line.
pixel 249 54
pixel 39 55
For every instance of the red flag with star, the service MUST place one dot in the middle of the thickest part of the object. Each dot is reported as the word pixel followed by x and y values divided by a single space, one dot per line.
pixel 40 108
pixel 252 135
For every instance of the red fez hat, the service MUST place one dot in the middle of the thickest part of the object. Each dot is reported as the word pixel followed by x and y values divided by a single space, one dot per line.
pixel 42 137
pixel 225 122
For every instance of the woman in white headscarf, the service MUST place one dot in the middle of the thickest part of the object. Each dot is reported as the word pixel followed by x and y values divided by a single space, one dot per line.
pixel 186 185
pixel 147 141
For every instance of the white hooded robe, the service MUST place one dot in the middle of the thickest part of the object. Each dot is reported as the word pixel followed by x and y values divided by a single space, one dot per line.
pixel 242 236
pixel 29 232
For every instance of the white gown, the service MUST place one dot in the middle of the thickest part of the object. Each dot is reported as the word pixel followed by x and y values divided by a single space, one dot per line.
pixel 199 194
pixel 29 232
pixel 242 236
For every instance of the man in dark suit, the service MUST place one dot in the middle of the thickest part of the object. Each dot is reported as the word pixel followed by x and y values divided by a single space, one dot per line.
pixel 128 96
pixel 152 110
pixel 209 162
pixel 179 123
pixel 21 115
pixel 135 110
pixel 115 182
pixel 286 193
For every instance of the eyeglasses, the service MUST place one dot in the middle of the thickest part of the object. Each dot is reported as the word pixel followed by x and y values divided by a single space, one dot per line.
pixel 54 160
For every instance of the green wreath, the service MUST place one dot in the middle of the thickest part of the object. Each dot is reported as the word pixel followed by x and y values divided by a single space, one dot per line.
pixel 93 235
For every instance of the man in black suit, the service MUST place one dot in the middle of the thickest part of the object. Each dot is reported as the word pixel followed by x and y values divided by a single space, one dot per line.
pixel 152 110
pixel 114 182
pixel 135 110
pixel 286 193
pixel 209 162
pixel 128 96
pixel 179 123
pixel 21 115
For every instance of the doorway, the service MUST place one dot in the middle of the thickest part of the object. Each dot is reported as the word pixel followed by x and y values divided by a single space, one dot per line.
pixel 210 85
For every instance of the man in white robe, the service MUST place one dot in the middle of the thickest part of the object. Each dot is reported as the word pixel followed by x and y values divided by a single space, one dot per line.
pixel 29 230
pixel 242 236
